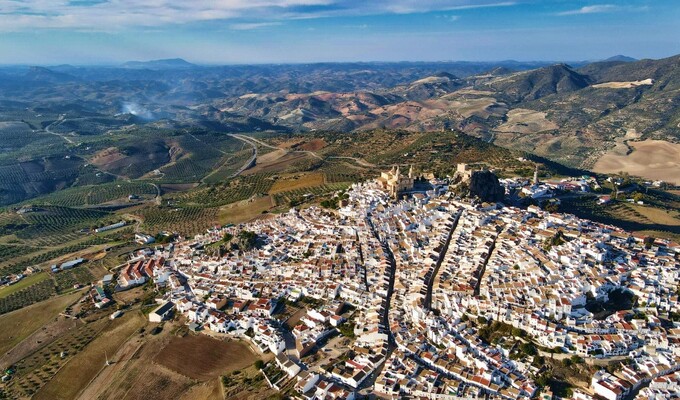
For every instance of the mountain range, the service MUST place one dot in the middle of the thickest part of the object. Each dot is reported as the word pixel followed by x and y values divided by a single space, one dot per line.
pixel 574 114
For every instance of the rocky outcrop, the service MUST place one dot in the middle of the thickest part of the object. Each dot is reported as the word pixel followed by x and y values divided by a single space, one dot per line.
pixel 485 185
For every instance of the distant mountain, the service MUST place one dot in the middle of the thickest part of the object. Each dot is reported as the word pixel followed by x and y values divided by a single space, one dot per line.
pixel 537 83
pixel 171 63
pixel 621 58
pixel 429 87
pixel 42 74
pixel 558 111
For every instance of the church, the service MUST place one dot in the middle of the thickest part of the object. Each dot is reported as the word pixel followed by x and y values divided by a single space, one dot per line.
pixel 395 183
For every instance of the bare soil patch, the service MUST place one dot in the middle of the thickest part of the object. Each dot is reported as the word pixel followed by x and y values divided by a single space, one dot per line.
pixel 298 181
pixel 107 156
pixel 203 358
pixel 624 85
pixel 244 211
pixel 651 159
pixel 527 122
pixel 271 156
pixel 312 145
pixel 277 165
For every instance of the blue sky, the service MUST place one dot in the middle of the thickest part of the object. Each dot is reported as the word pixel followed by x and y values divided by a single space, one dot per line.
pixel 276 31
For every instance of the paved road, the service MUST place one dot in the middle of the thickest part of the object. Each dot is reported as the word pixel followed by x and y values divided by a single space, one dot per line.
pixel 55 123
pixel 427 303
pixel 251 160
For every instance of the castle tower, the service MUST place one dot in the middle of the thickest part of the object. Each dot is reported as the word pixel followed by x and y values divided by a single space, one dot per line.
pixel 536 175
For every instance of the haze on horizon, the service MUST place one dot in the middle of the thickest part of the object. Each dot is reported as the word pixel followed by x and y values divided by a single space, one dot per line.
pixel 299 31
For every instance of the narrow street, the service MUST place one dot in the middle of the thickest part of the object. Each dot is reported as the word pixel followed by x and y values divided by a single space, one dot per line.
pixel 427 303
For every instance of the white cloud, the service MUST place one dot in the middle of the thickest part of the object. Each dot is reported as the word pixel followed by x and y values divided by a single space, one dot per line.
pixel 594 9
pixel 603 8
pixel 112 15
pixel 246 26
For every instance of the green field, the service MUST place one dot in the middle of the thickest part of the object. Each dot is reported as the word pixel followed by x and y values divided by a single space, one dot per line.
pixel 23 284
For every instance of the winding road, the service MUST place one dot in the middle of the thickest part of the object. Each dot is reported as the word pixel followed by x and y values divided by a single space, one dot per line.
pixel 251 161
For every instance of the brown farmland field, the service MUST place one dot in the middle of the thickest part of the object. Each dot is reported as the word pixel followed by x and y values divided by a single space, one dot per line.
pixel 651 159
pixel 202 357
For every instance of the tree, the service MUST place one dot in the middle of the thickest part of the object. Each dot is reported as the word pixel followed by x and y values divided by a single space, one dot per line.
pixel 542 380
pixel 247 240
pixel 528 349
pixel 552 207
pixel 649 242
pixel 259 364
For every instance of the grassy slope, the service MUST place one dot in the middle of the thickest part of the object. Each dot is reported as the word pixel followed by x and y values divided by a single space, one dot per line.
pixel 79 371
pixel 19 324
pixel 22 284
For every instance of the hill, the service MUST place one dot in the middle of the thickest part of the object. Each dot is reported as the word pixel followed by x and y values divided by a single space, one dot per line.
pixel 573 115
pixel 172 63
pixel 621 58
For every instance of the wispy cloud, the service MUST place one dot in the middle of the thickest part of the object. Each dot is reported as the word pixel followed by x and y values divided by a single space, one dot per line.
pixel 246 26
pixel 601 9
pixel 111 15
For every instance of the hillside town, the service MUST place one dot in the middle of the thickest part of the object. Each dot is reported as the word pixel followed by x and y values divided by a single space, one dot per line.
pixel 405 292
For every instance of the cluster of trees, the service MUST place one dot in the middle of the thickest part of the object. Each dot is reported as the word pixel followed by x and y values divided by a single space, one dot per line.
pixel 556 240
pixel 334 202
pixel 247 240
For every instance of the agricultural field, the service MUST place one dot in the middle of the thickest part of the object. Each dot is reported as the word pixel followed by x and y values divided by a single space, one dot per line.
pixel 23 284
pixel 650 159
pixel 297 181
pixel 202 357
pixel 97 195
pixel 65 280
pixel 90 346
pixel 230 166
pixel 50 225
pixel 305 194
pixel 645 221
pixel 19 324
pixel 8 252
pixel 237 189
pixel 184 170
pixel 35 293
pixel 171 364
pixel 244 210
pixel 186 221
pixel 79 247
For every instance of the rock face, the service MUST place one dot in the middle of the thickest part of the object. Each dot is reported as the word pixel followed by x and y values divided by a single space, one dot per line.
pixel 485 185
